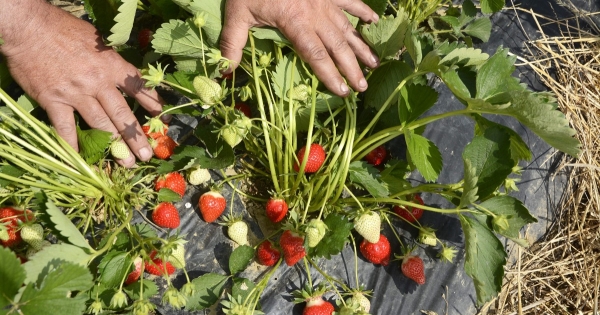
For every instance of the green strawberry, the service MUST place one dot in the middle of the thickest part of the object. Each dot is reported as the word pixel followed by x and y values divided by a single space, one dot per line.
pixel 232 134
pixel 177 257
pixel 315 231
pixel 368 225
pixel 208 90
pixel 119 150
pixel 198 176
pixel 427 236
pixel 33 234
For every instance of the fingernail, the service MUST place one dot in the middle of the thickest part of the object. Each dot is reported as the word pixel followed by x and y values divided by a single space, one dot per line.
pixel 166 118
pixel 145 154
pixel 344 88
pixel 375 60
pixel 375 18
pixel 362 84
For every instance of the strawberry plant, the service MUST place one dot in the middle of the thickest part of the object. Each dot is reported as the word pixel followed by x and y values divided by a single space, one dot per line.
pixel 307 157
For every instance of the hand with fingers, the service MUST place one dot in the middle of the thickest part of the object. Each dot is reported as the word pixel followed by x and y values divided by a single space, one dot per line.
pixel 320 31
pixel 62 62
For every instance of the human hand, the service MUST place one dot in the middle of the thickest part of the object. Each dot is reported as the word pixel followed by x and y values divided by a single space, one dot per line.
pixel 319 30
pixel 62 62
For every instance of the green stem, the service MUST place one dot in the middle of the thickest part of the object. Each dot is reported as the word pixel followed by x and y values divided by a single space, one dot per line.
pixel 403 203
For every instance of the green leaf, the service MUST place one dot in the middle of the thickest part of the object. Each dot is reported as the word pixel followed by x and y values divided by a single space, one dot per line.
pixel 412 45
pixel 12 276
pixel 167 195
pixel 144 230
pixel 387 36
pixel 394 176
pixel 193 111
pixel 10 170
pixel 489 155
pixel 93 144
pixel 65 252
pixel 513 209
pixel 415 100
pixel 242 288
pixel 53 290
pixel 27 103
pixel 464 56
pixel 519 150
pixel 133 290
pixel 270 33
pixel 178 38
pixel 186 157
pixel 183 79
pixel 61 223
pixel 480 28
pixel 240 259
pixel 122 242
pixel 338 231
pixel 485 259
pixel 213 10
pixel 123 23
pixel 102 13
pixel 367 176
pixel 114 267
pixel 288 73
pixel 326 101
pixel 495 75
pixel 491 6
pixel 208 290
pixel 384 81
pixel 425 155
pixel 430 62
pixel 166 9
pixel 379 6
pixel 469 195
pixel 221 153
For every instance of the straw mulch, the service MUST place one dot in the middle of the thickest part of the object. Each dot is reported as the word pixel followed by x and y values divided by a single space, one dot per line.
pixel 559 273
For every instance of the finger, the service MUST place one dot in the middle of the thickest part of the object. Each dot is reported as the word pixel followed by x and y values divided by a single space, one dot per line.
pixel 361 50
pixel 342 55
pixel 125 122
pixel 62 118
pixel 130 81
pixel 359 9
pixel 234 34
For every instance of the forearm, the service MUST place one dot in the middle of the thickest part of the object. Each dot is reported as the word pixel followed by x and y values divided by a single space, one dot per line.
pixel 19 19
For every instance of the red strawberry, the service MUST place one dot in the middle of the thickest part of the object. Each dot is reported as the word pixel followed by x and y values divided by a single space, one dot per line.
pixel 377 156
pixel 412 267
pixel 318 306
pixel 173 181
pixel 378 253
pixel 156 266
pixel 211 204
pixel 166 215
pixel 145 37
pixel 154 134
pixel 244 108
pixel 316 157
pixel 134 275
pixel 292 246
pixel 163 147
pixel 413 215
pixel 267 254
pixel 10 218
pixel 276 209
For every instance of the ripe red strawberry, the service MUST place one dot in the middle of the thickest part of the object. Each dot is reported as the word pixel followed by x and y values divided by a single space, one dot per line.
pixel 413 215
pixel 166 215
pixel 173 181
pixel 154 134
pixel 412 267
pixel 377 156
pixel 135 274
pixel 267 254
pixel 145 37
pixel 244 108
pixel 163 147
pixel 276 209
pixel 10 218
pixel 211 204
pixel 318 306
pixel 292 246
pixel 378 253
pixel 157 267
pixel 316 157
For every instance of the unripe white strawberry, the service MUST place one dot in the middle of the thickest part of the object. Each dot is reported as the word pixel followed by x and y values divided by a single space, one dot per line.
pixel 119 150
pixel 368 225
pixel 32 251
pixel 238 232
pixel 208 90
pixel 33 234
pixel 177 258
pixel 361 301
pixel 232 135
pixel 198 176
pixel 427 236
pixel 315 231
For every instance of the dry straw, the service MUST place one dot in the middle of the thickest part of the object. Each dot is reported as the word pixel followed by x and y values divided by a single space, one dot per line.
pixel 559 273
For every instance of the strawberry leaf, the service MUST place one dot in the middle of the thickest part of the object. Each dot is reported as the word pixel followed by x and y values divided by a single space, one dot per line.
pixel 387 36
pixel 114 267
pixel 325 102
pixel 384 81
pixel 469 195
pixel 425 155
pixel 339 228
pixel 491 6
pixel 27 103
pixel 208 290
pixel 12 276
pixel 480 28
pixel 519 150
pixel 102 13
pixel 288 73
pixel 379 6
pixel 10 170
pixel 394 176
pixel 515 212
pixel 415 100
pixel 489 155
pixel 485 259
pixel 367 176
pixel 93 144
pixel 123 23
pixel 65 252
pixel 133 290
pixel 242 288
pixel 166 194
pixel 178 38
pixel 53 288
pixel 464 56
pixel 270 34
pixel 61 223
pixel 240 258
pixel 184 79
